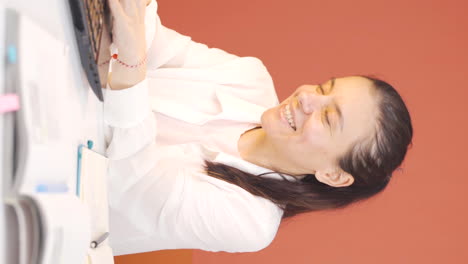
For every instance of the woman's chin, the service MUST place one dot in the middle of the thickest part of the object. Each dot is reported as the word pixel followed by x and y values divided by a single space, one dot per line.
pixel 268 121
pixel 271 123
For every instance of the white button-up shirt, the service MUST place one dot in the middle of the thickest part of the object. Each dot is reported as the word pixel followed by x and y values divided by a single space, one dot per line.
pixel 194 105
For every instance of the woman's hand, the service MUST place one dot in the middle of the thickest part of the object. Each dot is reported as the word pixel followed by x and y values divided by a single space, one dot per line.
pixel 129 39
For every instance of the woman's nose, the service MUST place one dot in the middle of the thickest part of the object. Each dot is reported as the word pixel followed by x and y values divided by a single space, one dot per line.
pixel 311 101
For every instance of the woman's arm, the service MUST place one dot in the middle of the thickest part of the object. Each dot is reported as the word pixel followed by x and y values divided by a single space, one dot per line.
pixel 169 49
pixel 127 111
pixel 159 193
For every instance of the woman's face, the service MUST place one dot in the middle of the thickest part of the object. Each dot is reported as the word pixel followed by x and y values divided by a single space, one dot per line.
pixel 325 120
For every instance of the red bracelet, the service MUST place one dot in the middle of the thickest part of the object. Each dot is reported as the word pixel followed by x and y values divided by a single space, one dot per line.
pixel 116 57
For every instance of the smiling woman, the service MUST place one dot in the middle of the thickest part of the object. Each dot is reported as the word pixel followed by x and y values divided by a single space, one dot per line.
pixel 351 132
pixel 219 167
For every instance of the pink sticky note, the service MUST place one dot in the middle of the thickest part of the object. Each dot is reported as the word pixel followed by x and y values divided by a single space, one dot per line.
pixel 9 103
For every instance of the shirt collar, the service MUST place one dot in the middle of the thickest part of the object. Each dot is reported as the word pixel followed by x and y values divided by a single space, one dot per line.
pixel 246 166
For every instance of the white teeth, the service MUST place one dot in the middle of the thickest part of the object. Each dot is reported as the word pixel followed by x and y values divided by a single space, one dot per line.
pixel 289 117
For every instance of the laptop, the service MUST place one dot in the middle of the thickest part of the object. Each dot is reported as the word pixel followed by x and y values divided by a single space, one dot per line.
pixel 92 23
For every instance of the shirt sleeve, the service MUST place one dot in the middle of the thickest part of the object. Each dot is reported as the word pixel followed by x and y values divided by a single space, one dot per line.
pixel 172 55
pixel 170 49
pixel 163 44
pixel 130 123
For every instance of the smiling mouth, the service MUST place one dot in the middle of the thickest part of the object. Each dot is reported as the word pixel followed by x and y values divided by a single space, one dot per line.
pixel 289 117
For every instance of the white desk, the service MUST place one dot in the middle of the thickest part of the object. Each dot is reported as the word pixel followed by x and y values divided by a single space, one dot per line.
pixel 66 112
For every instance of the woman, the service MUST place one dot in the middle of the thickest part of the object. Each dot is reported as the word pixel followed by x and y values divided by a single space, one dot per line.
pixel 202 155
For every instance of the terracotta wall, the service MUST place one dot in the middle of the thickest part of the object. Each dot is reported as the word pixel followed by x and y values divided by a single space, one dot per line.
pixel 157 257
pixel 418 46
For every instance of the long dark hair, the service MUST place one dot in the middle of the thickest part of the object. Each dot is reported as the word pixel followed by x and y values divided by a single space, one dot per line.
pixel 370 162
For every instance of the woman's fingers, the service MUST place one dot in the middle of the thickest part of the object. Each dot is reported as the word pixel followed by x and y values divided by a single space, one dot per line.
pixel 142 3
pixel 129 28
pixel 136 9
pixel 142 10
pixel 126 4
pixel 133 8
pixel 116 9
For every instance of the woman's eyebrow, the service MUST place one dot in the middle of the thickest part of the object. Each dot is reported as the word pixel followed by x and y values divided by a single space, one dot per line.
pixel 332 80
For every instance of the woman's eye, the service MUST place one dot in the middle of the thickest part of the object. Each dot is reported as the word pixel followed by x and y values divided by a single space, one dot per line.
pixel 325 118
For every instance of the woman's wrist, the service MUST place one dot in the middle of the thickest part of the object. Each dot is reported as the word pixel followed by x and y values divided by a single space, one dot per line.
pixel 127 69
pixel 130 63
pixel 123 77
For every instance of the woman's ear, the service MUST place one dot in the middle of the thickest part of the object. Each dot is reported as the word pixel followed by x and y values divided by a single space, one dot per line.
pixel 334 178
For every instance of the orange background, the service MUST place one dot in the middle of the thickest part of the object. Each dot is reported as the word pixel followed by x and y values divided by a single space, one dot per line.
pixel 420 47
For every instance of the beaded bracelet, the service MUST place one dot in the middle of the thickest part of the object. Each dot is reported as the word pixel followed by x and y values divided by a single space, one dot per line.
pixel 116 58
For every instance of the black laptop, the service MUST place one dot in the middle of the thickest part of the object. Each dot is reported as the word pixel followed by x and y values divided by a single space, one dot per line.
pixel 93 26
